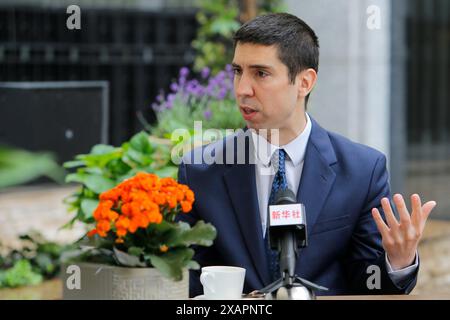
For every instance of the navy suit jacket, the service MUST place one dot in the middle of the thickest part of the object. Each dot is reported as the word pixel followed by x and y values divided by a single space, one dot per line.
pixel 341 182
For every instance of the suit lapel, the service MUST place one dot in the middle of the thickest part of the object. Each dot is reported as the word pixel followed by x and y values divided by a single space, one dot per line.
pixel 317 176
pixel 240 182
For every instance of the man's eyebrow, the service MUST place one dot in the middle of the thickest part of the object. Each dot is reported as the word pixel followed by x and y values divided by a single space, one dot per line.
pixel 254 66
pixel 260 66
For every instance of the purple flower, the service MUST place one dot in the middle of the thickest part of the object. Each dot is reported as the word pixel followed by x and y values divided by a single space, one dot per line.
pixel 190 87
pixel 222 93
pixel 174 87
pixel 194 82
pixel 229 85
pixel 192 92
pixel 210 89
pixel 184 72
pixel 221 75
pixel 205 72
pixel 207 114
pixel 212 82
pixel 197 91
pixel 200 91
pixel 170 99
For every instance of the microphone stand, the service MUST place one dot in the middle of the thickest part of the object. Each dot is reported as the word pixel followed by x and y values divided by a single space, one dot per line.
pixel 293 287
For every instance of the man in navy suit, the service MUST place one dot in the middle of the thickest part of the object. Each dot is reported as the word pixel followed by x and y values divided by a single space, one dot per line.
pixel 344 186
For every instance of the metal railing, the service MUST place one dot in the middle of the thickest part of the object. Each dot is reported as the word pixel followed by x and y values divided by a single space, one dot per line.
pixel 137 51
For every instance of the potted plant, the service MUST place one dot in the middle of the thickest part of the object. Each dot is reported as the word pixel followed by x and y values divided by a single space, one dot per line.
pixel 208 98
pixel 137 249
pixel 106 166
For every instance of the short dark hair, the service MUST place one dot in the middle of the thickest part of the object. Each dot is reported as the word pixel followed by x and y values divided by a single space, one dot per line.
pixel 298 45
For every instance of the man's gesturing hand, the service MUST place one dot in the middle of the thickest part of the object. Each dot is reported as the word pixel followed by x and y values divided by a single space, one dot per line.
pixel 400 239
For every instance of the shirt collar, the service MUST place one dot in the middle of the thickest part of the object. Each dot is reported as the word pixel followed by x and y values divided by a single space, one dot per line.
pixel 295 149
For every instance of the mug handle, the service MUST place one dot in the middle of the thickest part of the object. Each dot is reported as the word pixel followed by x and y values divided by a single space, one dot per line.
pixel 203 280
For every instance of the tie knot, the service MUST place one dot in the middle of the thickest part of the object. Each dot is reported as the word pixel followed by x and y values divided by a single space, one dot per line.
pixel 278 161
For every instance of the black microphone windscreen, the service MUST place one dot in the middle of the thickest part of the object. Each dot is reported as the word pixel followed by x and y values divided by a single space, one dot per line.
pixel 285 196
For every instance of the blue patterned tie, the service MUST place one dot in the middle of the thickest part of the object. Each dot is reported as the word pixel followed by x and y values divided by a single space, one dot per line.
pixel 279 182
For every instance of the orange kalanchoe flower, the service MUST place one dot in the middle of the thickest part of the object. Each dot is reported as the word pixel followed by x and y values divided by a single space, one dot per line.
pixel 138 202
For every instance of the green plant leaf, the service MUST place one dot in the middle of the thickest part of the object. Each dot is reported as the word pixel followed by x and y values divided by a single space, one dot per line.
pixel 193 265
pixel 141 143
pixel 89 253
pixel 73 164
pixel 20 166
pixel 172 263
pixel 118 167
pixel 20 274
pixel 94 171
pixel 99 184
pixel 99 160
pixel 201 234
pixel 96 183
pixel 138 157
pixel 45 263
pixel 88 207
pixel 169 171
pixel 224 26
pixel 100 149
pixel 126 259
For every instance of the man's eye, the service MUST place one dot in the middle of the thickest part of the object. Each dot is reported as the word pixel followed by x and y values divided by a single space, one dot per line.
pixel 237 71
pixel 262 74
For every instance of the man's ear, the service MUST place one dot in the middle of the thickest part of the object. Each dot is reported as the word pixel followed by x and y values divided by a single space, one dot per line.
pixel 306 80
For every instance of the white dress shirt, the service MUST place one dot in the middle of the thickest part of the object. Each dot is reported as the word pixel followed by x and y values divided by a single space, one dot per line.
pixel 264 152
pixel 295 156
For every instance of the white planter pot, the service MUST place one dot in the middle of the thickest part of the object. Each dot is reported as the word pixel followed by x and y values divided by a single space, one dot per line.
pixel 89 281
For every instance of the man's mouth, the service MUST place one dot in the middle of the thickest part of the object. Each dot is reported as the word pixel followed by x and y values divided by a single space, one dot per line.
pixel 248 110
pixel 248 113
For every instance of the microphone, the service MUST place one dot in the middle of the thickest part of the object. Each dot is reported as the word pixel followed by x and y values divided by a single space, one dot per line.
pixel 287 231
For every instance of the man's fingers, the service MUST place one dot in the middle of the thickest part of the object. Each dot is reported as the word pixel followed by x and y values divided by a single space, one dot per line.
pixel 426 210
pixel 403 213
pixel 382 227
pixel 390 218
pixel 420 213
pixel 416 206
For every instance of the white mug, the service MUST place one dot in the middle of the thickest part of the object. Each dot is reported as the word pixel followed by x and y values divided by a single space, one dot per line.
pixel 222 282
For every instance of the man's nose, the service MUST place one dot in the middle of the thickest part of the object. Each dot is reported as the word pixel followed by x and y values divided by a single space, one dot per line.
pixel 243 86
